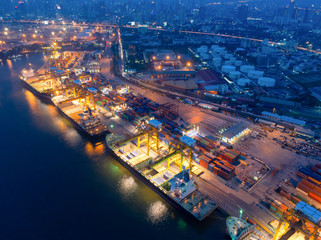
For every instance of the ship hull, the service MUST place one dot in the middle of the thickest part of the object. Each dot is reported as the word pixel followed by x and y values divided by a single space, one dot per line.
pixel 149 184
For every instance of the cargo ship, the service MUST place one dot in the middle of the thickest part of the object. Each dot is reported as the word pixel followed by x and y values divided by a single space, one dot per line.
pixel 32 82
pixel 82 118
pixel 177 188
pixel 239 229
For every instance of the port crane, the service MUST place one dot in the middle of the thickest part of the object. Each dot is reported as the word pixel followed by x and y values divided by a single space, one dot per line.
pixel 177 150
pixel 294 221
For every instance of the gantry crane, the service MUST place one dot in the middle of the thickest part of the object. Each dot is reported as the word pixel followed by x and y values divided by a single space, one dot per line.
pixel 294 221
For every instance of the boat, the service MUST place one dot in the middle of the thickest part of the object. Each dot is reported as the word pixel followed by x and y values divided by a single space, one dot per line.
pixel 179 189
pixel 26 79
pixel 239 229
pixel 86 121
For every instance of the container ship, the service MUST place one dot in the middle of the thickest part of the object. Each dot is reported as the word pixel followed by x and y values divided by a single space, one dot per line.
pixel 239 229
pixel 79 114
pixel 39 85
pixel 161 171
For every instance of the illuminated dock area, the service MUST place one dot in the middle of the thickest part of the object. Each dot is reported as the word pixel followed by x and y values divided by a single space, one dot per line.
pixel 165 167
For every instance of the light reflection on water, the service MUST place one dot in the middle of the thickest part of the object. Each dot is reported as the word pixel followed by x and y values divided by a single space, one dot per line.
pixel 127 186
pixel 157 212
pixel 94 150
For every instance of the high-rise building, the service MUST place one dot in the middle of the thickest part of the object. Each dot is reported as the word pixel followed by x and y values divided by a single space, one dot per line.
pixel 242 12
pixel 307 16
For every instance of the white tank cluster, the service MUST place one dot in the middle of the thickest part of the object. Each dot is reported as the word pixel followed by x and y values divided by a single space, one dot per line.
pixel 266 82
pixel 246 68
pixel 243 82
pixel 228 62
pixel 228 56
pixel 234 75
pixel 228 68
pixel 202 49
pixel 255 74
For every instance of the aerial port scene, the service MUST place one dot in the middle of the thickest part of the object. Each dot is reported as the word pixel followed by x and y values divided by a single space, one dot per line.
pixel 164 119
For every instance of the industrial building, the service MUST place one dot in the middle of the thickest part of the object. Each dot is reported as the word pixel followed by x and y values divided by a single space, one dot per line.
pixel 234 132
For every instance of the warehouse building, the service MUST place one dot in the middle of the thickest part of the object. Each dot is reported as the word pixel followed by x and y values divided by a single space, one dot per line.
pixel 233 133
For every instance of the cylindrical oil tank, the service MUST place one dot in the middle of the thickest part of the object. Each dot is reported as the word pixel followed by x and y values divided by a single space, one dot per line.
pixel 255 74
pixel 243 82
pixel 234 75
pixel 228 68
pixel 266 82
pixel 228 56
pixel 238 63
pixel 246 68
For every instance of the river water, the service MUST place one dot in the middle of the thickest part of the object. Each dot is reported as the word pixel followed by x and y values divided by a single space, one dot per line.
pixel 55 184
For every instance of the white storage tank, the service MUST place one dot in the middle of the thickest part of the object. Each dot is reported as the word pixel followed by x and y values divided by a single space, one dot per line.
pixel 255 74
pixel 214 47
pixel 217 61
pixel 233 60
pixel 266 82
pixel 228 68
pixel 204 56
pixel 243 82
pixel 202 49
pixel 234 75
pixel 246 68
pixel 238 63
pixel 228 56
pixel 218 51
pixel 228 63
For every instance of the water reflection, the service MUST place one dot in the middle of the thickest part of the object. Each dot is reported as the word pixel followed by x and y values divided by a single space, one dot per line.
pixel 32 101
pixel 92 150
pixel 157 212
pixel 9 62
pixel 128 186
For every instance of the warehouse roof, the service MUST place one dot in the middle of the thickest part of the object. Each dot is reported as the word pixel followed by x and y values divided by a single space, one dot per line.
pixel 235 130
pixel 209 76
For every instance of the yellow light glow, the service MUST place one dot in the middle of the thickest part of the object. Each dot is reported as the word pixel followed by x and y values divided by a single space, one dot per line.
pixel 167 57
pixel 23 35
pixel 154 58
pixel 188 64
pixel 178 57
pixel 52 33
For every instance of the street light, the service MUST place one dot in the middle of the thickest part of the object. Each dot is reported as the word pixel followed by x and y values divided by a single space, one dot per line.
pixel 241 212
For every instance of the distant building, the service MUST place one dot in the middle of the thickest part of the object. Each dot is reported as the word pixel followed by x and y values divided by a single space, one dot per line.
pixel 210 81
pixel 284 118
pixel 242 12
